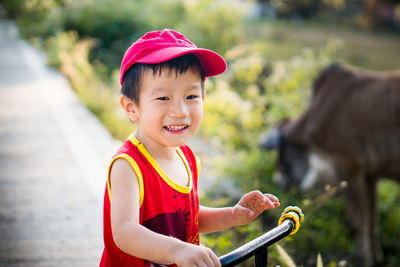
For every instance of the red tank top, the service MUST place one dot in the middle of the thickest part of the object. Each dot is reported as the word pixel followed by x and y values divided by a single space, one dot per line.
pixel 165 207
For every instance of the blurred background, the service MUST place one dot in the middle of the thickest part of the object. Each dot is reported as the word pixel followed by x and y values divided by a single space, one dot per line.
pixel 274 50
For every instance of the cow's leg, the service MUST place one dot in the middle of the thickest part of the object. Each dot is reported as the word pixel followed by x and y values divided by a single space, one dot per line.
pixel 378 257
pixel 358 209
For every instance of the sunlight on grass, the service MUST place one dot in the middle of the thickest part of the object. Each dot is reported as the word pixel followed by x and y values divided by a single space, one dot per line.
pixel 282 40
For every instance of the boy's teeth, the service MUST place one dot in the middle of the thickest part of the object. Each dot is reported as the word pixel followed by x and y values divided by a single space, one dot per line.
pixel 175 127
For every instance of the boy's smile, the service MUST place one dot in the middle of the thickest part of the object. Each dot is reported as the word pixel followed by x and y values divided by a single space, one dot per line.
pixel 170 108
pixel 176 128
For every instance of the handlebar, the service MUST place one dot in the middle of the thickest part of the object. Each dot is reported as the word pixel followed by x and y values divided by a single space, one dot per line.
pixel 288 224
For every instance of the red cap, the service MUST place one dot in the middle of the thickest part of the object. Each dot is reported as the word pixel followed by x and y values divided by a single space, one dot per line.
pixel 160 46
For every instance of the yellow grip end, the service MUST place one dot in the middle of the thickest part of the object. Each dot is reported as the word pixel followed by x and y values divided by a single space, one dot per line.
pixel 295 214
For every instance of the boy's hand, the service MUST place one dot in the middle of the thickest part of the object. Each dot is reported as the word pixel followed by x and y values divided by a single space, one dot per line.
pixel 190 255
pixel 253 204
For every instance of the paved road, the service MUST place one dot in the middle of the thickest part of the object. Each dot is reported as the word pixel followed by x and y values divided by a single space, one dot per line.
pixel 53 155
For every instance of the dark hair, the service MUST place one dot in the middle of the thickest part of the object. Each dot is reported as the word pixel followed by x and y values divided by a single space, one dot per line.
pixel 132 77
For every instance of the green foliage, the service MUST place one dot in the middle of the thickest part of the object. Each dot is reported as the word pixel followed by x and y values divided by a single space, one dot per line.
pixel 389 198
pixel 114 25
pixel 70 55
pixel 283 40
pixel 215 25
pixel 30 13
pixel 224 242
pixel 325 220
pixel 14 8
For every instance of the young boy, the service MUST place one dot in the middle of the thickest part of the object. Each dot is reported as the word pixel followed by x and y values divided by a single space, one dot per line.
pixel 152 215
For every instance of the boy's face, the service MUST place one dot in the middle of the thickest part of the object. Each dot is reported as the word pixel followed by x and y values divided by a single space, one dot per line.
pixel 170 108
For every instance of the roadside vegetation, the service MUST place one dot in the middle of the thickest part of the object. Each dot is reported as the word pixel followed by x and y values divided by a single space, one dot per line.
pixel 271 66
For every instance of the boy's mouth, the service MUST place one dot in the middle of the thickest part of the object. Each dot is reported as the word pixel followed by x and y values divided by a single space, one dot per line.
pixel 176 128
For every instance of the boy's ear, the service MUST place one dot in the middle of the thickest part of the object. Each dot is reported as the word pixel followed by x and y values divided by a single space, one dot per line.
pixel 130 108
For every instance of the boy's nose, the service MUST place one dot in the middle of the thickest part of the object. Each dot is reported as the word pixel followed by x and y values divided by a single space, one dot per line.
pixel 179 109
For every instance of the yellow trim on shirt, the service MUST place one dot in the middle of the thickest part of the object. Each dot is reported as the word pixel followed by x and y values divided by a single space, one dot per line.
pixel 135 168
pixel 153 162
pixel 198 166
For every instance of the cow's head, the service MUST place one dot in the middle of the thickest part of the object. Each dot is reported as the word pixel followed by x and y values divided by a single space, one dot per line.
pixel 292 161
pixel 297 163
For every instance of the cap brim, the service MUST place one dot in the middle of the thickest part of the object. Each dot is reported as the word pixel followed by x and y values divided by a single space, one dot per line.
pixel 211 62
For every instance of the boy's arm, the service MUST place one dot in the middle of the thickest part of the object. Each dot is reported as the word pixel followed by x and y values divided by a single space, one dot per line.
pixel 137 240
pixel 246 210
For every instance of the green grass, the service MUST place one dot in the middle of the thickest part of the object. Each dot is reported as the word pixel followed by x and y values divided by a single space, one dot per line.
pixel 280 40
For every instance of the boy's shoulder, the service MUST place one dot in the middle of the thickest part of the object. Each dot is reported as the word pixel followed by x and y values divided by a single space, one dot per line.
pixel 126 147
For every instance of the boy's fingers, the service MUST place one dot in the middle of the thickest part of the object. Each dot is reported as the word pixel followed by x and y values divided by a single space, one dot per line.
pixel 208 261
pixel 272 197
pixel 256 202
pixel 215 260
pixel 269 203
pixel 211 259
pixel 256 194
pixel 273 201
pixel 261 198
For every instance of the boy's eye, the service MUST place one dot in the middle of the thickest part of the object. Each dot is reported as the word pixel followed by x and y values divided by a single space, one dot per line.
pixel 163 98
pixel 192 97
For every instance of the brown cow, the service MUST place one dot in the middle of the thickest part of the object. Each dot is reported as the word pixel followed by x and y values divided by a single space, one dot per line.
pixel 351 132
